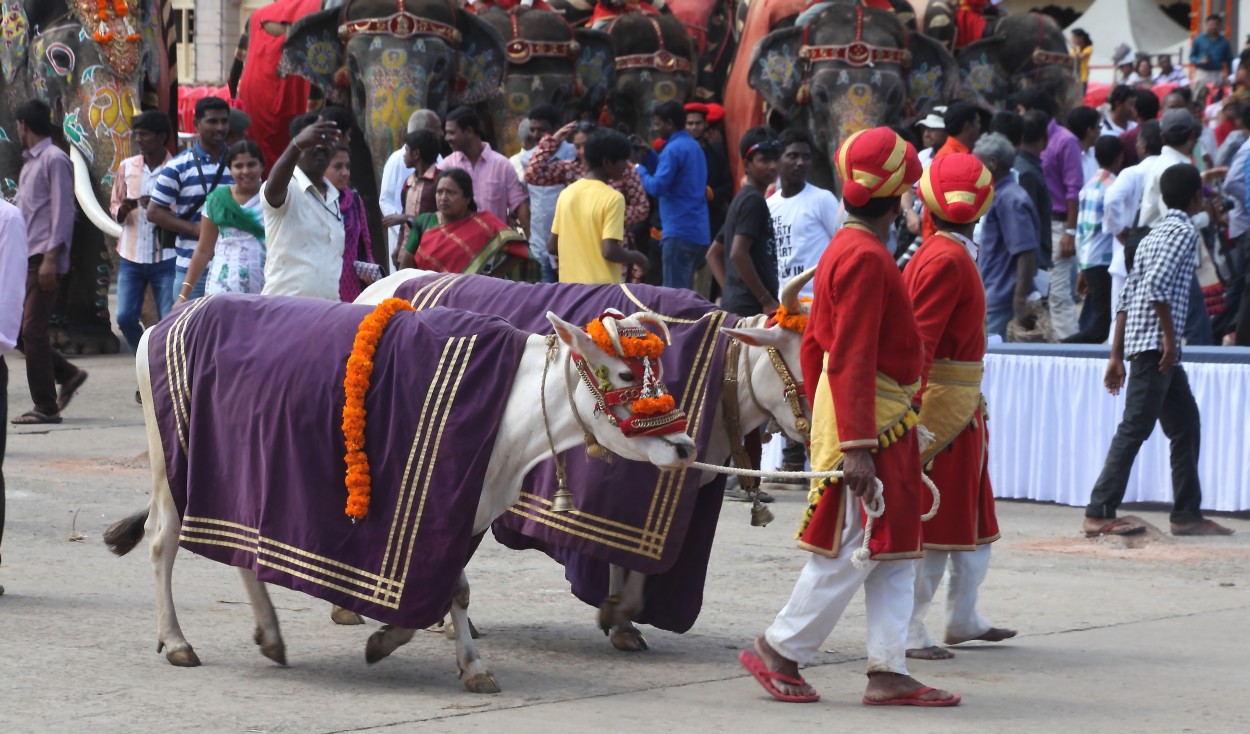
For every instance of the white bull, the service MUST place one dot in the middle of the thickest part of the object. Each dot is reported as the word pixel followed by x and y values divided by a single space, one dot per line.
pixel 767 390
pixel 518 448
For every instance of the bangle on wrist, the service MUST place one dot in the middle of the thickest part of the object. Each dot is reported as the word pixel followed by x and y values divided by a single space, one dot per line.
pixel 185 286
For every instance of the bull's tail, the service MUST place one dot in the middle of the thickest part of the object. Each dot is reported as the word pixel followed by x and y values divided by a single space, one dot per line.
pixel 123 535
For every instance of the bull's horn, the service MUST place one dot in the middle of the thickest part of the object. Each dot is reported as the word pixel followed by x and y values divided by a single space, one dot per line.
pixel 85 193
pixel 790 291
pixel 649 318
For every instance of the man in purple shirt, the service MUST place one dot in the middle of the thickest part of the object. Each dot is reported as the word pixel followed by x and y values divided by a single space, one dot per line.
pixel 1061 165
pixel 496 187
pixel 45 196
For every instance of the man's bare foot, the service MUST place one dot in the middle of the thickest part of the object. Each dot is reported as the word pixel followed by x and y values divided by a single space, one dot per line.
pixel 889 686
pixel 993 634
pixel 778 664
pixel 930 653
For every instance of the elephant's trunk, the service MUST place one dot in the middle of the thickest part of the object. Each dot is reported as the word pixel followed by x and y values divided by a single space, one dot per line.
pixel 84 191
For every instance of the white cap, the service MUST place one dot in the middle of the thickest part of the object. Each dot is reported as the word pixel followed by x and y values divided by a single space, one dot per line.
pixel 934 120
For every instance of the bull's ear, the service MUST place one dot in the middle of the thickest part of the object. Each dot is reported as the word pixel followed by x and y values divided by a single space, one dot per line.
pixel 16 42
pixel 775 71
pixel 482 64
pixel 312 50
pixel 576 339
pixel 933 77
pixel 595 67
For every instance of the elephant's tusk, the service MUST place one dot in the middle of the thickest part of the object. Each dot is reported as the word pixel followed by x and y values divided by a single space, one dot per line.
pixel 85 193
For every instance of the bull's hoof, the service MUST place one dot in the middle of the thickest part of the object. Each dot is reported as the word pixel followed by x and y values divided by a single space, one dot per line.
pixel 184 658
pixel 275 651
pixel 629 641
pixel 609 611
pixel 339 615
pixel 374 649
pixel 482 683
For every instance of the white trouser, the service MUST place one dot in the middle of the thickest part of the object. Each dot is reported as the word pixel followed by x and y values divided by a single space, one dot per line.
pixel 968 569
pixel 824 589
pixel 1062 305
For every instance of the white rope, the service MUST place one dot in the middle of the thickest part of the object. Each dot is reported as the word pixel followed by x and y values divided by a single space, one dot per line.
pixel 764 474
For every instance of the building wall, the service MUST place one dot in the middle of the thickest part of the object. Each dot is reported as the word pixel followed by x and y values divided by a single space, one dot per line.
pixel 209 32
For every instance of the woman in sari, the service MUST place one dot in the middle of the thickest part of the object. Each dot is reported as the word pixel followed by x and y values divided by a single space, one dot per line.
pixel 459 239
pixel 232 235
pixel 358 267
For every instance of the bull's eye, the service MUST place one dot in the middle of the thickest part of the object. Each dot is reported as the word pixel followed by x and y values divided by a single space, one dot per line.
pixel 626 376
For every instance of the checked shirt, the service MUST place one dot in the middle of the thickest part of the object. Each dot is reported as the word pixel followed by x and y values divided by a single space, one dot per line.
pixel 1163 271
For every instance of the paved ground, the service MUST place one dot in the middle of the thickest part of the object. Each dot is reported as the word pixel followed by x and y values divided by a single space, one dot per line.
pixel 1152 639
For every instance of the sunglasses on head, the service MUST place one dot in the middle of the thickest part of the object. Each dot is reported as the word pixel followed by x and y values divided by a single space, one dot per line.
pixel 767 147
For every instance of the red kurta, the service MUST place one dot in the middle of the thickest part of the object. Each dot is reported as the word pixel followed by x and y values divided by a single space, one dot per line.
pixel 861 316
pixel 949 301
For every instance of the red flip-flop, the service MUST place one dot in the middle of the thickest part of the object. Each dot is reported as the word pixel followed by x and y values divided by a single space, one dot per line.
pixel 757 668
pixel 914 699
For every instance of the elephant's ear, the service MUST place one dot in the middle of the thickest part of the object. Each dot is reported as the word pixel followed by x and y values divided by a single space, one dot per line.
pixel 775 71
pixel 312 50
pixel 482 62
pixel 15 33
pixel 982 70
pixel 595 68
pixel 933 78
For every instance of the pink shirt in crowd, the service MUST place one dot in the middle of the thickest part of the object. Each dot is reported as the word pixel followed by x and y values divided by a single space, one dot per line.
pixel 138 242
pixel 496 187
pixel 45 196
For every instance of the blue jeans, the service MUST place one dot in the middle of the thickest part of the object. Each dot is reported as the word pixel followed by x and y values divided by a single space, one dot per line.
pixel 1197 327
pixel 180 275
pixel 996 321
pixel 132 280
pixel 681 259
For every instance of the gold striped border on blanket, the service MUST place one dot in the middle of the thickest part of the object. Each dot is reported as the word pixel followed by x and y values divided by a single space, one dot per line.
pixel 428 295
pixel 176 369
pixel 436 408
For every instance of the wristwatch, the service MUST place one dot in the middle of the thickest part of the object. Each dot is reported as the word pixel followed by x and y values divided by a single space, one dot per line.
pixel 1070 232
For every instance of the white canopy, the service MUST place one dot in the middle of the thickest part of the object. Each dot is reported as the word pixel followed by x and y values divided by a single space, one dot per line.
pixel 1139 23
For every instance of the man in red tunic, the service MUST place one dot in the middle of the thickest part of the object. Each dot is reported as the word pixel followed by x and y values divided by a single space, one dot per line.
pixel 949 301
pixel 862 341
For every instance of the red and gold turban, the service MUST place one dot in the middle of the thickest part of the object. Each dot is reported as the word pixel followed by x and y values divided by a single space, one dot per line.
pixel 957 188
pixel 875 164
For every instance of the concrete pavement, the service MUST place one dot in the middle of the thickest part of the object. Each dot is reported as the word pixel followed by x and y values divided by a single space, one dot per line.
pixel 1151 639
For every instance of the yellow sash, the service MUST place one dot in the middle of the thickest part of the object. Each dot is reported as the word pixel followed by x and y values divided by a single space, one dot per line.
pixel 951 399
pixel 894 417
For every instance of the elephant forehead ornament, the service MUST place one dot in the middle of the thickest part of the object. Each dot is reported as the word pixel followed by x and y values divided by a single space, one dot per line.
pixel 856 53
pixel 114 31
pixel 400 24
pixel 662 60
pixel 521 50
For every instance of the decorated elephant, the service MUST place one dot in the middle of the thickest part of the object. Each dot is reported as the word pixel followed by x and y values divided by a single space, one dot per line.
pixel 849 68
pixel 90 62
pixel 1025 50
pixel 655 63
pixel 385 59
pixel 548 63
pixel 710 25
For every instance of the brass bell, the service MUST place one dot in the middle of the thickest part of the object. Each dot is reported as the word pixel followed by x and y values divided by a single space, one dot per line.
pixel 562 500
pixel 760 514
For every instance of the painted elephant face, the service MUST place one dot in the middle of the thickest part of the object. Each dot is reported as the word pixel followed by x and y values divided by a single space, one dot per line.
pixel 846 101
pixel 392 64
pixel 649 72
pixel 93 104
pixel 1026 51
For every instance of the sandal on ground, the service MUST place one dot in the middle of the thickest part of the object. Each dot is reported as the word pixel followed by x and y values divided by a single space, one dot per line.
pixel 757 668
pixel 793 481
pixel 1206 527
pixel 69 388
pixel 738 494
pixel 914 699
pixel 35 417
pixel 1116 527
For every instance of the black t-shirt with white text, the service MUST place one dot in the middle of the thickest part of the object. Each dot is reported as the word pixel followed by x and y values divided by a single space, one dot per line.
pixel 749 215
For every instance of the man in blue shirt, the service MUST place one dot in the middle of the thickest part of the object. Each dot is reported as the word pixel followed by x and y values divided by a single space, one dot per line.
pixel 1009 232
pixel 1210 53
pixel 680 185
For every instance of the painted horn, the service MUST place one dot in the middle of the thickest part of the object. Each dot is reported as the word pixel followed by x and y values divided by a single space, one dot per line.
pixel 790 291
pixel 85 193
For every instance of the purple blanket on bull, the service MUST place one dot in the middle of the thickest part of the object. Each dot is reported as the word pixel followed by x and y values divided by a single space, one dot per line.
pixel 248 394
pixel 627 513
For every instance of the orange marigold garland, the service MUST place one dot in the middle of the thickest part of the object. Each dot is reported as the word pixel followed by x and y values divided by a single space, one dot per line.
pixel 653 406
pixel 355 386
pixel 792 321
pixel 636 347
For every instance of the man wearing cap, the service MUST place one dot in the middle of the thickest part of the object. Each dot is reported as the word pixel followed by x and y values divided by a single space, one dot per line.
pixel 963 127
pixel 862 352
pixel 932 134
pixel 949 301
pixel 1179 132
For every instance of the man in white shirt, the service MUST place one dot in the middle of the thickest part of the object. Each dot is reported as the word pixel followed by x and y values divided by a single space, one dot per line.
pixel 1123 201
pixel 932 133
pixel 303 227
pixel 395 173
pixel 805 217
pixel 1169 74
pixel 1179 132
pixel 12 300
pixel 1121 115
pixel 543 120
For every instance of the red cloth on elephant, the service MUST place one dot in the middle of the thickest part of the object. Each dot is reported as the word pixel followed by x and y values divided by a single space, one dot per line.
pixel 482 6
pixel 949 301
pixel 270 101
pixel 604 11
pixel 969 23
pixel 744 106
pixel 861 317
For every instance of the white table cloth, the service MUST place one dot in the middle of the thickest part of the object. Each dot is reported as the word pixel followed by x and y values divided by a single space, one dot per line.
pixel 1051 422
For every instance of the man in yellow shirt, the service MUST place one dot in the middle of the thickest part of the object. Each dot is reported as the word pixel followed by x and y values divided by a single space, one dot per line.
pixel 589 222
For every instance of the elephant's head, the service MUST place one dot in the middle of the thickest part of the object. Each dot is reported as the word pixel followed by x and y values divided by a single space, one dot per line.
pixel 654 64
pixel 841 73
pixel 387 63
pixel 1026 50
pixel 548 63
